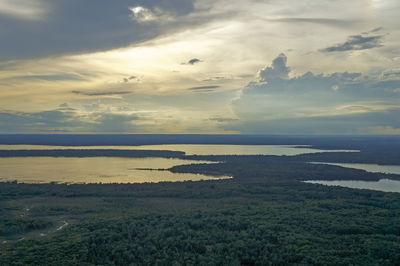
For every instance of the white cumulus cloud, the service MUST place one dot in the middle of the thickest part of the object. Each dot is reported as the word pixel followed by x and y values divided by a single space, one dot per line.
pixel 146 15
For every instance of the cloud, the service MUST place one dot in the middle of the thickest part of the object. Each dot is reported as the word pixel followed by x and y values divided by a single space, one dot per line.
pixel 23 9
pixel 192 61
pixel 277 70
pixel 55 77
pixel 324 21
pixel 391 74
pixel 383 130
pixel 349 124
pixel 356 42
pixel 65 107
pixel 66 121
pixel 99 25
pixel 376 29
pixel 217 78
pixel 114 123
pixel 126 80
pixel 102 93
pixel 234 37
pixel 46 121
pixel 142 14
pixel 315 103
pixel 204 88
pixel 223 119
pixel 9 65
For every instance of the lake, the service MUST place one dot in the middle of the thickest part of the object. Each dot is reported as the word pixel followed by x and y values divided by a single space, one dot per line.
pixel 94 170
pixel 194 149
pixel 373 168
pixel 124 170
pixel 385 185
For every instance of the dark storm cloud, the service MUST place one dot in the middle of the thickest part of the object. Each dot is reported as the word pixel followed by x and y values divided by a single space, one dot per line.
pixel 356 42
pixel 75 26
pixel 102 93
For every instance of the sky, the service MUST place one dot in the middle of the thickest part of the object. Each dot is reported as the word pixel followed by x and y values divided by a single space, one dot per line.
pixel 200 66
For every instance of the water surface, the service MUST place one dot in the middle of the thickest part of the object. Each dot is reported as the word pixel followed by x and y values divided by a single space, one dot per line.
pixel 194 149
pixel 213 149
pixel 124 170
pixel 385 185
pixel 94 170
pixel 372 168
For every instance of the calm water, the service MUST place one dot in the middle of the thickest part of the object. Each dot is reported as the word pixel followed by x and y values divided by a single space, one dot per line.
pixel 193 149
pixel 123 170
pixel 373 168
pixel 203 149
pixel 94 170
pixel 386 185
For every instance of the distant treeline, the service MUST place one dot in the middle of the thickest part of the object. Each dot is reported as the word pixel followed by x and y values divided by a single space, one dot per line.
pixel 365 143
pixel 389 157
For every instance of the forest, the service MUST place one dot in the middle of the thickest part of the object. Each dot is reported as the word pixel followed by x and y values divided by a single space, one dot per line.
pixel 265 215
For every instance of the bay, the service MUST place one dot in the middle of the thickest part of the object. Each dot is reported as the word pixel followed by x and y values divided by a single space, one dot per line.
pixel 194 149
pixel 95 170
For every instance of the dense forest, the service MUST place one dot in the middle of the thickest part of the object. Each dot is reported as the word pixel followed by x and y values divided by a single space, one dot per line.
pixel 265 215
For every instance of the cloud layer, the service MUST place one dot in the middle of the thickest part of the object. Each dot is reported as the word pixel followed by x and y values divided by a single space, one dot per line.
pixel 46 28
pixel 185 66
pixel 316 103
pixel 356 42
